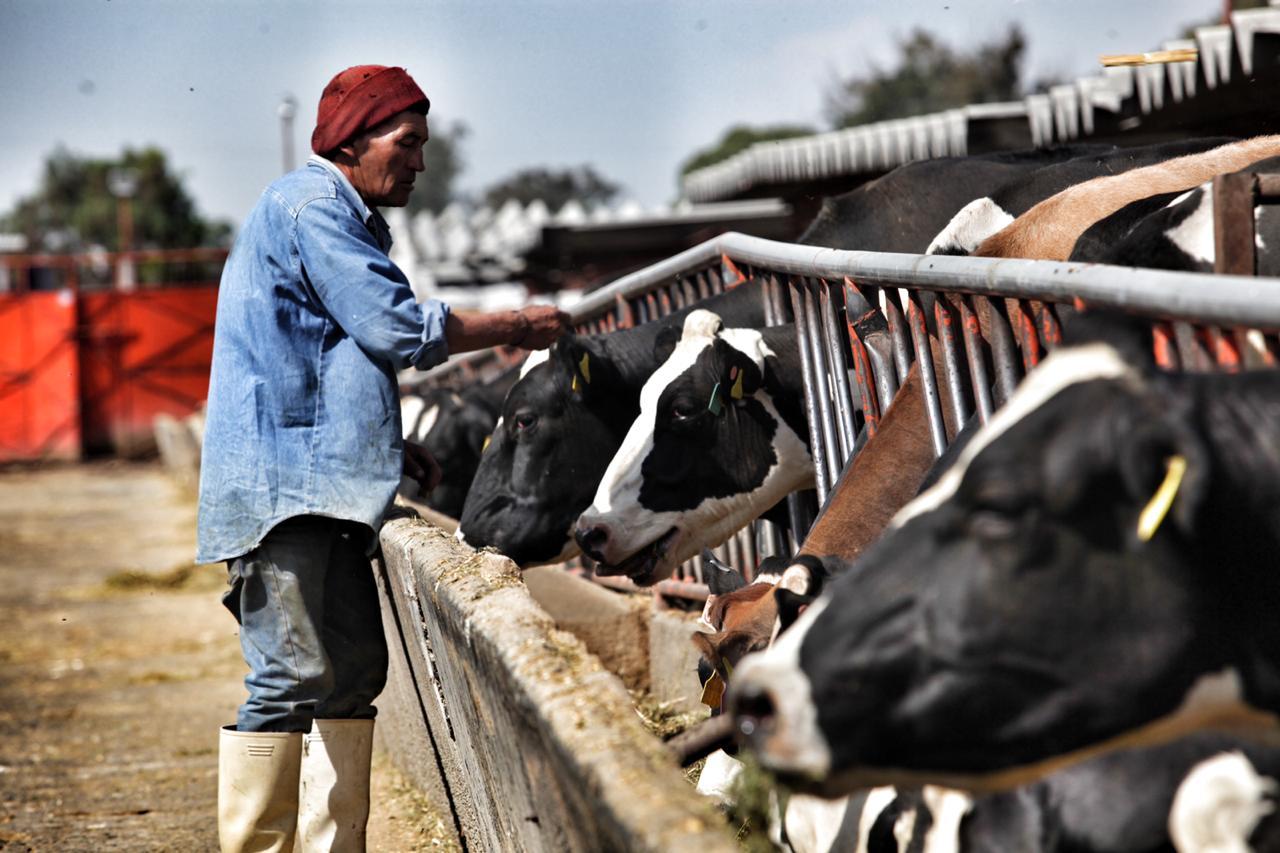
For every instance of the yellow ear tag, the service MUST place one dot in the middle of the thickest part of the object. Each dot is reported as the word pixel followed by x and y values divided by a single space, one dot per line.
pixel 736 391
pixel 485 446
pixel 585 367
pixel 1158 507
pixel 574 385
pixel 713 690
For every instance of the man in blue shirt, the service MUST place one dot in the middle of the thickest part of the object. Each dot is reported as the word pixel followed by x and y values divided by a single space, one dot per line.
pixel 303 453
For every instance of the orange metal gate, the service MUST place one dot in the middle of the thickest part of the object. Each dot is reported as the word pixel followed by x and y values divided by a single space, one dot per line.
pixel 86 370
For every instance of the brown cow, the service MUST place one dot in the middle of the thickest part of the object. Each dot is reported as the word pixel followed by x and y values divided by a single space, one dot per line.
pixel 1049 230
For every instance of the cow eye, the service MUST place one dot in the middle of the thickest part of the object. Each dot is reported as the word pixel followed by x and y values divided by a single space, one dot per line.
pixel 991 525
pixel 683 410
pixel 525 421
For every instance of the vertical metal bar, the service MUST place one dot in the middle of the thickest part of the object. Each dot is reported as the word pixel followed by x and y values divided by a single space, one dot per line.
pixel 1166 346
pixel 750 558
pixel 836 349
pixel 1233 226
pixel 734 551
pixel 946 319
pixel 1004 352
pixel 1025 333
pixel 973 347
pixel 811 395
pixel 1225 353
pixel 865 378
pixel 898 331
pixel 812 338
pixel 928 379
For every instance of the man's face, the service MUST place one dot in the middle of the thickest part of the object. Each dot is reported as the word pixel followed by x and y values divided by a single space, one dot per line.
pixel 385 160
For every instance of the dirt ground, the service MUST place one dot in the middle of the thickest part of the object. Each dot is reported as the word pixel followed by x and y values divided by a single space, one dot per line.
pixel 118 664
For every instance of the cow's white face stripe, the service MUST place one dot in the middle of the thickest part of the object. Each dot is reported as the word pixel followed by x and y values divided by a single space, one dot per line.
pixel 797 744
pixel 538 356
pixel 974 222
pixel 1194 235
pixel 427 423
pixel 714 520
pixel 813 823
pixel 1063 368
pixel 410 409
pixel 1219 803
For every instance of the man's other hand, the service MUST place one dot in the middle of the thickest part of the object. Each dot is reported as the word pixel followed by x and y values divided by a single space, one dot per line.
pixel 546 324
pixel 421 467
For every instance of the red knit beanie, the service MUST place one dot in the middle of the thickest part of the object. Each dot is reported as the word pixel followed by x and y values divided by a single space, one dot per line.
pixel 362 97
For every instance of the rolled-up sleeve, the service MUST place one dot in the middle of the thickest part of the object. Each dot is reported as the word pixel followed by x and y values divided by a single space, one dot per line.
pixel 365 293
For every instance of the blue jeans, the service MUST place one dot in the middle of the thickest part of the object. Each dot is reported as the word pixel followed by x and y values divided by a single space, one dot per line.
pixel 310 625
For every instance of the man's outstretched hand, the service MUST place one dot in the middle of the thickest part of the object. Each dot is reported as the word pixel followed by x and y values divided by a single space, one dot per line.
pixel 546 323
pixel 421 467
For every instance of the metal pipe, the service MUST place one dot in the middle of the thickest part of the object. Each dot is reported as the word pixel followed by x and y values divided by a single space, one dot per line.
pixel 808 376
pixel 1232 300
pixel 928 378
pixel 973 347
pixel 902 350
pixel 821 387
pixel 1004 352
pixel 946 319
pixel 837 347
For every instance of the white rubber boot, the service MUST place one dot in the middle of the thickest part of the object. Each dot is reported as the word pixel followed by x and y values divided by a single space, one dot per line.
pixel 334 801
pixel 258 790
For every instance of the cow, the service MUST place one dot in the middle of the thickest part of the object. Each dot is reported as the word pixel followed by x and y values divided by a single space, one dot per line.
pixel 1002 203
pixel 1094 570
pixel 904 209
pixel 561 423
pixel 1049 230
pixel 1133 800
pixel 721 437
pixel 1175 231
pixel 453 426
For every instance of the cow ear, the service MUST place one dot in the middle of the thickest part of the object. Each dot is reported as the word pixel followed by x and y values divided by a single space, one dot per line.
pixel 804 576
pixel 740 377
pixel 581 360
pixel 1165 470
pixel 790 606
pixel 721 579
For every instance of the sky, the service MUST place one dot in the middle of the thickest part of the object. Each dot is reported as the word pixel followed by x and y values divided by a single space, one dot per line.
pixel 632 87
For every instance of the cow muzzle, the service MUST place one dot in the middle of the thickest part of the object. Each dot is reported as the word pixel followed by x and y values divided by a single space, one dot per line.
pixel 645 566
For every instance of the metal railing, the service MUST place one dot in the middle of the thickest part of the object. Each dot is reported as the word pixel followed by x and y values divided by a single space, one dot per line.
pixel 975 326
pixel 863 319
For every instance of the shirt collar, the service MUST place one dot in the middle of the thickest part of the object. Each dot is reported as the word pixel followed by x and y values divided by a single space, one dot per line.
pixel 370 216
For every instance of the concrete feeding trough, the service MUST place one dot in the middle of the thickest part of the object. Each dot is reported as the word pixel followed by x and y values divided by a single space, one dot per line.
pixel 519 725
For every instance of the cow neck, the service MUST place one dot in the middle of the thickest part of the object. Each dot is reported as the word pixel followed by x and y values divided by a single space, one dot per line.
pixel 1239 523
pixel 782 378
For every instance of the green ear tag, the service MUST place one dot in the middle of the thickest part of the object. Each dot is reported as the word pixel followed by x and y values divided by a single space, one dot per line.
pixel 714 406
pixel 585 367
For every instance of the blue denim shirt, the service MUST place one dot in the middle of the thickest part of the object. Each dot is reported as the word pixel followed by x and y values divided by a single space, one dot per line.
pixel 313 322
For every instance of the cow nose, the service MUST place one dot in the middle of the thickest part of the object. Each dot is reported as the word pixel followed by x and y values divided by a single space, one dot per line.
pixel 592 539
pixel 753 712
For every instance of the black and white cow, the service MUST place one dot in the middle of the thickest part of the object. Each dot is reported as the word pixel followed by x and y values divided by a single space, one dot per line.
pixel 1096 569
pixel 720 439
pixel 904 209
pixel 561 423
pixel 1175 231
pixel 1001 204
pixel 453 426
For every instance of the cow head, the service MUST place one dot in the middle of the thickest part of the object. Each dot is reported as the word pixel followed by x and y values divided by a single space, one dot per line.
pixel 560 424
pixel 1089 574
pixel 710 451
pixel 453 428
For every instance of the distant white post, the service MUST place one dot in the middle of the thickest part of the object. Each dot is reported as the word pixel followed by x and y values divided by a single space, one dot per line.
pixel 287 110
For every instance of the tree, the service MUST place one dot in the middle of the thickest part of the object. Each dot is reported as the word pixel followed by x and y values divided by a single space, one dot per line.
pixel 74 207
pixel 930 77
pixel 553 186
pixel 443 155
pixel 738 138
